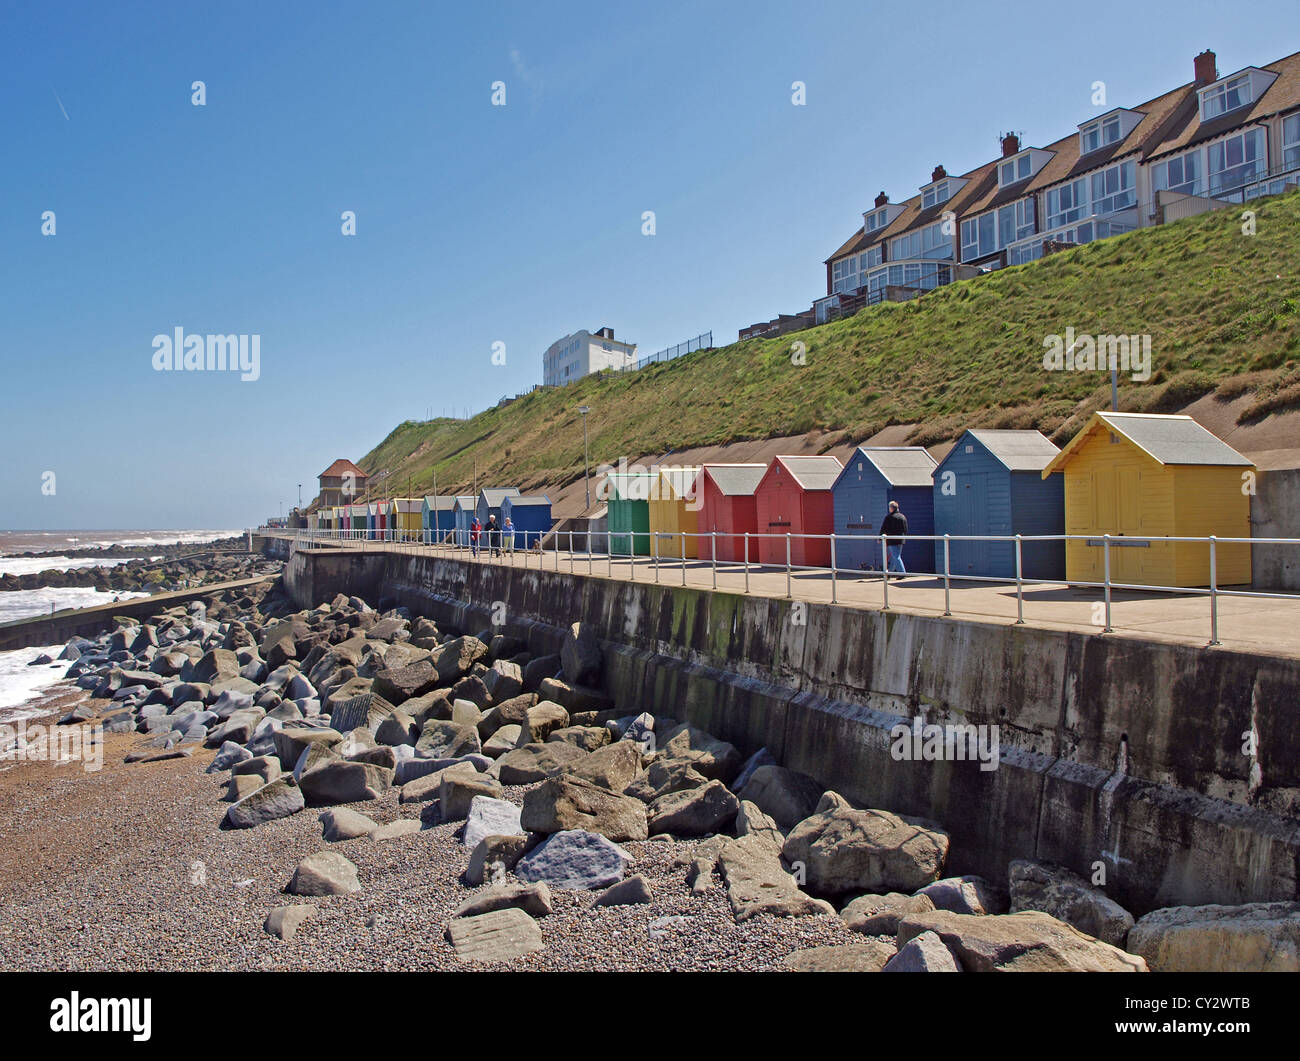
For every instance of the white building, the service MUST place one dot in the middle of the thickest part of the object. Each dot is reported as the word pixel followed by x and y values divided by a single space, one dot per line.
pixel 583 353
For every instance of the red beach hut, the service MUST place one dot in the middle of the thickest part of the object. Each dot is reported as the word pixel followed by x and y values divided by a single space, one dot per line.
pixel 794 497
pixel 727 507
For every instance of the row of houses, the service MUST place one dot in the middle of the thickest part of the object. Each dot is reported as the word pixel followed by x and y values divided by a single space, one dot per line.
pixel 445 518
pixel 1215 141
pixel 1135 477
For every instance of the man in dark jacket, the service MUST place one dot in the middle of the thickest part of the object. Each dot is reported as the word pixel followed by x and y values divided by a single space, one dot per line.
pixel 894 526
pixel 494 536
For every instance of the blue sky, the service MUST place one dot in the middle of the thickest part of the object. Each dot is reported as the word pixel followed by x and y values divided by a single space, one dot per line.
pixel 475 224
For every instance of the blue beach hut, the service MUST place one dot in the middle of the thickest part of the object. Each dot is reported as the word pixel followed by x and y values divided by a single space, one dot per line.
pixel 463 517
pixel 489 502
pixel 531 516
pixel 437 517
pixel 991 482
pixel 872 477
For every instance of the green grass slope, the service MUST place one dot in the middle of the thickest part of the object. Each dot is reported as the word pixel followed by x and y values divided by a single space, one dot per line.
pixel 1222 309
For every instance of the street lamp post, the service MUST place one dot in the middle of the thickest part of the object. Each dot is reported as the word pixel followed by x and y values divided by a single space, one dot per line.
pixel 586 460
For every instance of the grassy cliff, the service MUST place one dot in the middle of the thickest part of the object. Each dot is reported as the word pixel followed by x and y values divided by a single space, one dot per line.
pixel 1222 309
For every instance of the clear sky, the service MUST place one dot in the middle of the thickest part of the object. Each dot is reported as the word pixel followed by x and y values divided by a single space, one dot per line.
pixel 475 223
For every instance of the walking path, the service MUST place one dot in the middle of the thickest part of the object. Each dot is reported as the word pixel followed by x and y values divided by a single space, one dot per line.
pixel 1246 624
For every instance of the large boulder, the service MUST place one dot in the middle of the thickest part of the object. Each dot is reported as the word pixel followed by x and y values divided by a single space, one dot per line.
pixel 217 664
pixel 581 656
pixel 279 799
pixel 448 740
pixel 694 811
pixel 1065 895
pixel 965 895
pixel 511 712
pixel 290 743
pixel 574 859
pixel 612 767
pixel 662 777
pixel 751 821
pixel 714 758
pixel 343 823
pixel 324 873
pixel 787 795
pixel 457 791
pixel 428 786
pixel 1253 937
pixel 846 850
pixel 397 729
pixel 504 680
pixel 399 684
pixel 497 936
pixel 457 657
pixel 540 720
pixel 923 954
pixel 867 957
pixel 366 709
pixel 345 782
pixel 588 738
pixel 536 762
pixel 493 856
pixel 758 884
pixel 878 915
pixel 533 899
pixel 561 804
pixel 1029 941
pixel 489 816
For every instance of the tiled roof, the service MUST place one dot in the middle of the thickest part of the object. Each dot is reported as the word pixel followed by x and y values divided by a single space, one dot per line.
pixel 900 465
pixel 440 503
pixel 494 495
pixel 1176 439
pixel 1019 451
pixel 526 500
pixel 812 473
pixel 735 480
pixel 340 468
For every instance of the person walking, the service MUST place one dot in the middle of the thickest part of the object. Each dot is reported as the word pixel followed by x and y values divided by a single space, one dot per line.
pixel 894 527
pixel 509 531
pixel 475 531
pixel 494 535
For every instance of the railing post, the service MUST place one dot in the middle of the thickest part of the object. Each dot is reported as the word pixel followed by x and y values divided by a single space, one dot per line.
pixel 884 571
pixel 1105 547
pixel 1214 594
pixel 609 551
pixel 570 550
pixel 1020 597
pixel 788 592
pixel 834 600
pixel 746 561
pixel 682 536
pixel 655 550
pixel 947 581
pixel 713 554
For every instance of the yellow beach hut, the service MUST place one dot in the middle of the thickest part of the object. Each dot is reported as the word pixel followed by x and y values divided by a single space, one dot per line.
pixel 674 513
pixel 405 518
pixel 1142 476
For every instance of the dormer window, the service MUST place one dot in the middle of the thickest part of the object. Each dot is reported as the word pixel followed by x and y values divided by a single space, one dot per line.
pixel 934 195
pixel 875 220
pixel 1015 169
pixel 1098 134
pixel 1226 96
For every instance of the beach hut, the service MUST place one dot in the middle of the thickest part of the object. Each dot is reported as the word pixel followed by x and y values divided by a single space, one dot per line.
pixel 1139 476
pixel 727 509
pixel 628 501
pixel 437 516
pixel 531 516
pixel 674 514
pixel 376 520
pixel 991 483
pixel 358 520
pixel 405 518
pixel 794 498
pixel 489 503
pixel 872 477
pixel 463 517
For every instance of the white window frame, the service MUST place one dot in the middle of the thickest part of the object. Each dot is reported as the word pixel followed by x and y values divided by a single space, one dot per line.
pixel 1023 162
pixel 1079 206
pixel 1104 131
pixel 870 258
pixel 972 248
pixel 1291 139
pixel 1215 102
pixel 1162 182
pixel 934 195
pixel 875 220
pixel 1124 194
pixel 1260 160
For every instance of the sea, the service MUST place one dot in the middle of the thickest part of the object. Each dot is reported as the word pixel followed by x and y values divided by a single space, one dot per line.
pixel 23 688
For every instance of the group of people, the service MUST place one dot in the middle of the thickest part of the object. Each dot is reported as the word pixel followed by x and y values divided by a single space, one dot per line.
pixel 498 536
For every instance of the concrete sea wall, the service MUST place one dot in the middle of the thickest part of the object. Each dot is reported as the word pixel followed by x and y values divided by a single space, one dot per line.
pixel 1172 770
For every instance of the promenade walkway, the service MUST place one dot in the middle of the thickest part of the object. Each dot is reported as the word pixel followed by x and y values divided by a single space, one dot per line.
pixel 1269 626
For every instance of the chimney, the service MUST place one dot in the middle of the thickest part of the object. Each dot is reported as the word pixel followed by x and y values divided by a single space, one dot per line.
pixel 1010 144
pixel 938 174
pixel 1206 67
pixel 882 199
pixel 606 332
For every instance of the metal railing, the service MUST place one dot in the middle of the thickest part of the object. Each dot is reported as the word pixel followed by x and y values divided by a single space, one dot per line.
pixel 733 552
pixel 703 341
